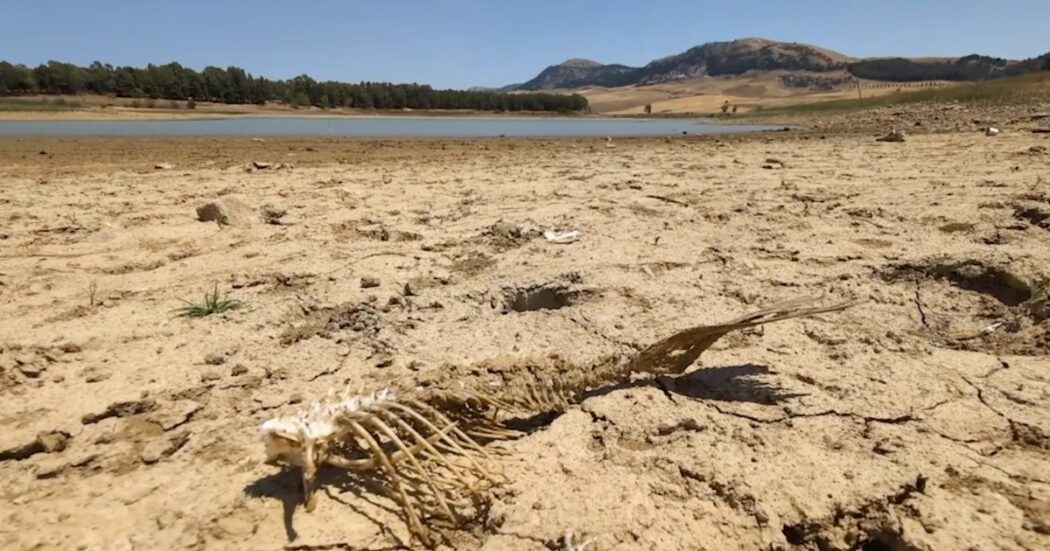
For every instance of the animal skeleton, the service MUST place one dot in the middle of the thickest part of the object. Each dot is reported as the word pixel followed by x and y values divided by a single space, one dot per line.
pixel 426 441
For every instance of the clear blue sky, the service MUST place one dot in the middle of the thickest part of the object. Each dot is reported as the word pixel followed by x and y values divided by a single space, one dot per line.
pixel 462 43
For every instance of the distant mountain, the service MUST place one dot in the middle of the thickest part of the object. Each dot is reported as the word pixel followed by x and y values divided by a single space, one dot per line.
pixel 713 58
pixel 741 56
pixel 578 73
pixel 497 90
pixel 758 54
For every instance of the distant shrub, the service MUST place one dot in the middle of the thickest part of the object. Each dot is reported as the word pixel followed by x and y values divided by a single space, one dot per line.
pixel 135 104
pixel 173 104
pixel 191 104
pixel 151 103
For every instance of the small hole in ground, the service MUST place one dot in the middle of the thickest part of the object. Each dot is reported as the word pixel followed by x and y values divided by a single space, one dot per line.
pixel 875 545
pixel 794 534
pixel 540 298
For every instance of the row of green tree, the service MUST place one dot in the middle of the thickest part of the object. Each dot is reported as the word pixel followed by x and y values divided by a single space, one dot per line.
pixel 971 67
pixel 234 85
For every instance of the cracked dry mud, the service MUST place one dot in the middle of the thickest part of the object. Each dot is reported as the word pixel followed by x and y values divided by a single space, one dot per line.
pixel 918 420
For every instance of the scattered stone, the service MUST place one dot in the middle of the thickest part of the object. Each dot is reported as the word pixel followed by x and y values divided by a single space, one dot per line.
pixel 1041 131
pixel 826 337
pixel 93 374
pixel 991 131
pixel 160 448
pixel 31 370
pixel 45 442
pixel 687 424
pixel 261 165
pixel 69 348
pixel 895 136
pixel 408 290
pixel 163 166
pixel 384 360
pixel 775 161
pixel 210 375
pixel 258 140
pixel 369 282
pixel 238 369
pixel 227 211
pixel 215 358
pixel 1037 149
pixel 271 215
pixel 121 409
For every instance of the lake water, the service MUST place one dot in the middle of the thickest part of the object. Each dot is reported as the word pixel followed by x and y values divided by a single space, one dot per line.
pixel 376 127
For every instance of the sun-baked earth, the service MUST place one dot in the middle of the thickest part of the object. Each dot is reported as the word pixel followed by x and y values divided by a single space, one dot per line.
pixel 917 420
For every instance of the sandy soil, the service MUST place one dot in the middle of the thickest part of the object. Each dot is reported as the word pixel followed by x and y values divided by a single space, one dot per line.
pixel 918 420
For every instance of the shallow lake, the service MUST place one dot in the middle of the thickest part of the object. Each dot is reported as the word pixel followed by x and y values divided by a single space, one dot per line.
pixel 372 127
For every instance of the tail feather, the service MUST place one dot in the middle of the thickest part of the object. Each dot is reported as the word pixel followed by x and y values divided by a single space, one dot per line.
pixel 677 352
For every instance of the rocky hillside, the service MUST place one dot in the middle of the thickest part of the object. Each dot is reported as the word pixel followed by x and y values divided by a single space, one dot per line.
pixel 713 58
pixel 757 54
pixel 740 56
pixel 579 73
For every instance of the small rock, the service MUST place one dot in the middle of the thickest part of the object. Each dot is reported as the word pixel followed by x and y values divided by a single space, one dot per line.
pixel 258 140
pixel 261 165
pixel 227 211
pixel 210 375
pixel 215 358
pixel 53 441
pixel 368 282
pixel 384 360
pixel 69 348
pixel 271 215
pixel 163 166
pixel 238 369
pixel 991 131
pixel 45 442
pixel 885 447
pixel 31 370
pixel 895 136
pixel 93 374
pixel 1037 149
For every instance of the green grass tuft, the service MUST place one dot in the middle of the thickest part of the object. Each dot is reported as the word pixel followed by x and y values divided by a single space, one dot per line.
pixel 213 304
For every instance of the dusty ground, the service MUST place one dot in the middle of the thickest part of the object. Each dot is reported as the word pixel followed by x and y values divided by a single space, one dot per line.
pixel 918 420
